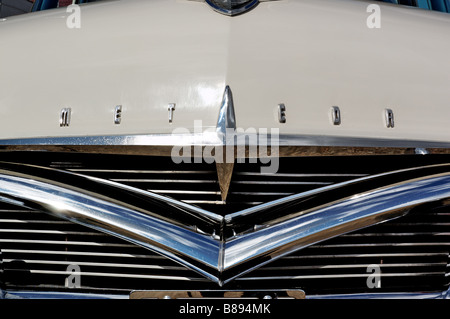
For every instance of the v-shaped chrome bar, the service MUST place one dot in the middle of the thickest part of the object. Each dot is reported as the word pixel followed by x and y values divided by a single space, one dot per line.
pixel 222 248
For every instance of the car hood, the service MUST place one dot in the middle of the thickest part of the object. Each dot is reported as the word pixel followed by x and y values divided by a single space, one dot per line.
pixel 144 55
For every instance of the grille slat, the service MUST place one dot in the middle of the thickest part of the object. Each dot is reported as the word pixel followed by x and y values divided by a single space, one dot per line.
pixel 100 264
pixel 374 255
pixel 126 171
pixel 48 232
pixel 22 252
pixel 339 276
pixel 165 181
pixel 58 242
pixel 116 275
pixel 347 266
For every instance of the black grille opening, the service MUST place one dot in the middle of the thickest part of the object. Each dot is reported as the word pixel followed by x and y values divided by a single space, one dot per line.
pixel 197 183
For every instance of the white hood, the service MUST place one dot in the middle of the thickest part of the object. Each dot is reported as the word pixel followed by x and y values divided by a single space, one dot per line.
pixel 144 55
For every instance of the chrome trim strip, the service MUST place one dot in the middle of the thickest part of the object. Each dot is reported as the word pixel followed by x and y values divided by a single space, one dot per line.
pixel 97 170
pixel 216 139
pixel 411 243
pixel 72 295
pixel 57 295
pixel 228 249
pixel 367 255
pixel 406 295
pixel 298 174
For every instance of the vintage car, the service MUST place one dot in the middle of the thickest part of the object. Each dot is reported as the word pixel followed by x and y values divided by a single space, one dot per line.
pixel 271 149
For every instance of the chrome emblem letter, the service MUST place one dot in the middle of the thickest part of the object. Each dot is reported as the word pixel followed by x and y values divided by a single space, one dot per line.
pixel 118 114
pixel 171 108
pixel 64 117
pixel 281 113
pixel 389 114
pixel 336 115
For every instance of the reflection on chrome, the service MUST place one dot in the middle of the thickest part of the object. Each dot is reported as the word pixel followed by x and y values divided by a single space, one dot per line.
pixel 213 245
pixel 216 138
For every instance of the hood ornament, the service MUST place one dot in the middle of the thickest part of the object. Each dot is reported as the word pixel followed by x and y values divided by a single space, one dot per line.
pixel 226 125
pixel 232 7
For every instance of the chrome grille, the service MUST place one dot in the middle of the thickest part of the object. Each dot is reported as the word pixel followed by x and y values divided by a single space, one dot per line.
pixel 37 250
pixel 412 253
